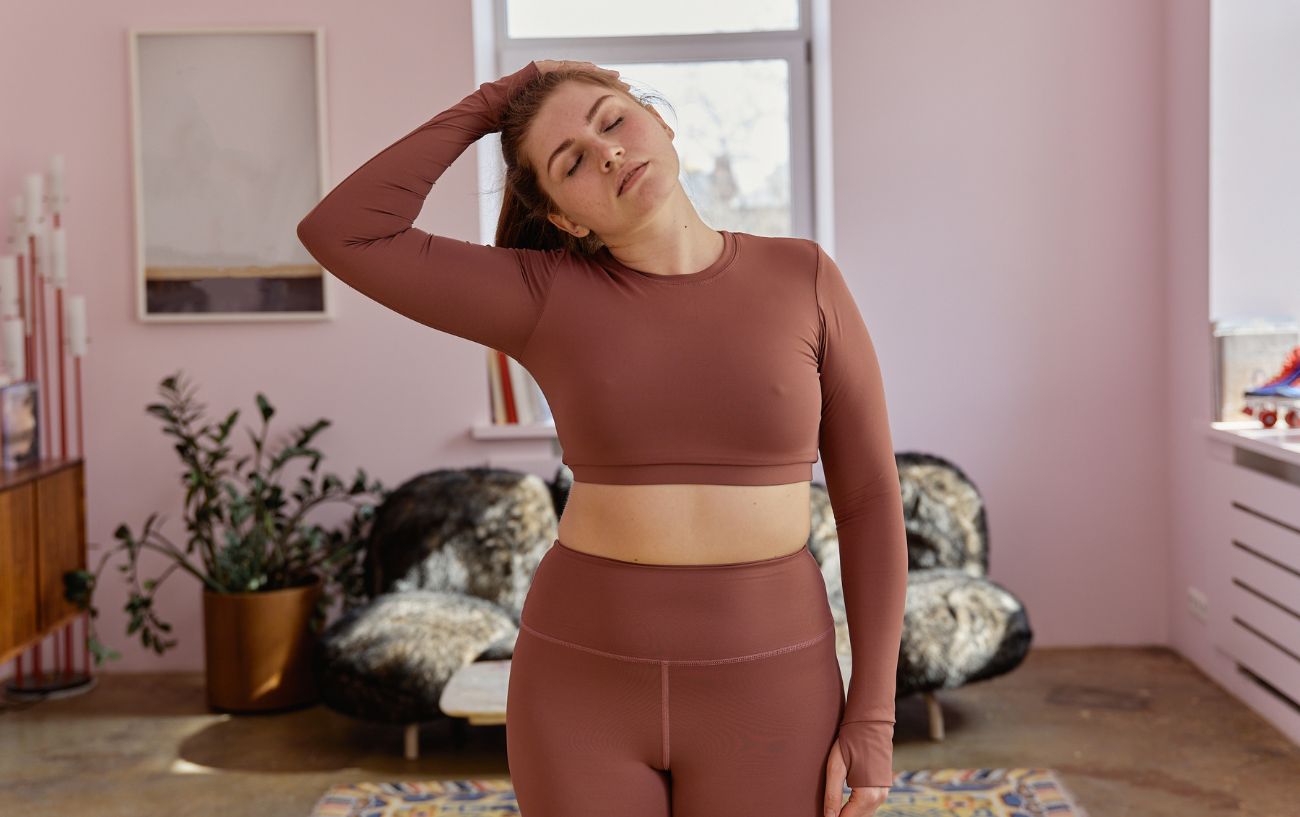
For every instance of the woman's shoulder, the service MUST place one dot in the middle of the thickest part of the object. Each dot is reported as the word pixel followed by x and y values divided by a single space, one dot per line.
pixel 790 253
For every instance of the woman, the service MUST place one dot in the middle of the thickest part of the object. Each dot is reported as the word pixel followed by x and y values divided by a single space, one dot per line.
pixel 676 652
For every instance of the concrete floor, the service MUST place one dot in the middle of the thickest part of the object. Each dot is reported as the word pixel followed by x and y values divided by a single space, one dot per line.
pixel 1130 731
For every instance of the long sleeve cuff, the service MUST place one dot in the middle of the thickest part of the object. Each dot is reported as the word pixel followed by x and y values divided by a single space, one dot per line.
pixel 868 749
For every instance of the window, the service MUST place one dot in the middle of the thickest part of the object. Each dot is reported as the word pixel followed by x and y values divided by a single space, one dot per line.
pixel 735 73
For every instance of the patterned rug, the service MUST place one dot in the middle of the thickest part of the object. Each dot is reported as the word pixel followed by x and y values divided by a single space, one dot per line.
pixel 923 793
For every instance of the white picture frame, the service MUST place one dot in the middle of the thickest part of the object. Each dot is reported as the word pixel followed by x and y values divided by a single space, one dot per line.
pixel 230 151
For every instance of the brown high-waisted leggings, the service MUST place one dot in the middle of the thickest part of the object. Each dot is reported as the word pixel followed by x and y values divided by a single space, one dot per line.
pixel 648 690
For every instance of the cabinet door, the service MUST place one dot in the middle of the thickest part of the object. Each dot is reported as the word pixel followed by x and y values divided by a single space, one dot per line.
pixel 1260 617
pixel 61 542
pixel 18 622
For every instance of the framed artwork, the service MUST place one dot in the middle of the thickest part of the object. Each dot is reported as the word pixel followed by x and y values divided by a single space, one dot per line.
pixel 20 428
pixel 230 152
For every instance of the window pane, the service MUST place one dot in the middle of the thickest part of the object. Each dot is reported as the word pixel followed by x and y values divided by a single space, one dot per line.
pixel 622 18
pixel 732 126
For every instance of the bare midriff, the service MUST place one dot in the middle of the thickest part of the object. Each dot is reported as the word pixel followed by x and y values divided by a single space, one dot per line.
pixel 686 524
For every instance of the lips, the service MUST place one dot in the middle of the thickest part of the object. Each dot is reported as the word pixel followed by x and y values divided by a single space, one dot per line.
pixel 623 183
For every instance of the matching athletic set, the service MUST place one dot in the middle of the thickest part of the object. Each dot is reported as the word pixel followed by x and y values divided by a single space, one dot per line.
pixel 644 689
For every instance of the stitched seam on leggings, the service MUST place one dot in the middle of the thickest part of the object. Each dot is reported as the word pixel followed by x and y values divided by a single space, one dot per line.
pixel 663 706
pixel 683 661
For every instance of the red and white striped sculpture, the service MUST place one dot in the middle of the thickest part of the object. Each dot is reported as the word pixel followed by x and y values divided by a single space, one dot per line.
pixel 37 259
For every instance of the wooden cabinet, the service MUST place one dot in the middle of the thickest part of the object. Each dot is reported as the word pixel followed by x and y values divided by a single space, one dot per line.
pixel 42 535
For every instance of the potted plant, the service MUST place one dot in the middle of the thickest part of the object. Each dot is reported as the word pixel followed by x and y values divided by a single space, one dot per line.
pixel 269 577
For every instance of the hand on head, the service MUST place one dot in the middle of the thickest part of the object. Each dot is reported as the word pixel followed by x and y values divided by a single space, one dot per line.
pixel 551 65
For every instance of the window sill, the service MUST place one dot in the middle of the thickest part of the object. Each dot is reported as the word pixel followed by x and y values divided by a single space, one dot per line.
pixel 1280 442
pixel 512 431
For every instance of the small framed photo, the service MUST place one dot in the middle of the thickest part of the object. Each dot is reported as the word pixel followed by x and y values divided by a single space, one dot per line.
pixel 229 142
pixel 20 437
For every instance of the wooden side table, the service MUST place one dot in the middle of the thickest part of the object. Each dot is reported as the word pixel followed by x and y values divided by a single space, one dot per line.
pixel 476 692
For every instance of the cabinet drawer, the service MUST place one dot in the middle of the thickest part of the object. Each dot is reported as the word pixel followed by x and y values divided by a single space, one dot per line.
pixel 1268 496
pixel 18 601
pixel 1265 619
pixel 61 539
pixel 1256 540
pixel 1278 668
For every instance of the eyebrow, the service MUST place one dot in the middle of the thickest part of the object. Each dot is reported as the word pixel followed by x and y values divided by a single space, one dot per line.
pixel 567 143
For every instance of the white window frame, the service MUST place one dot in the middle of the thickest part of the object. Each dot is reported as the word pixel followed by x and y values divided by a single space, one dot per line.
pixel 498 54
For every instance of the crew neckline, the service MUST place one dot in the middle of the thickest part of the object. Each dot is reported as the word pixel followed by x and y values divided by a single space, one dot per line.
pixel 719 265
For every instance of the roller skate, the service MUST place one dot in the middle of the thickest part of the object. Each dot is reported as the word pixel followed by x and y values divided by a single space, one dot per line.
pixel 1282 391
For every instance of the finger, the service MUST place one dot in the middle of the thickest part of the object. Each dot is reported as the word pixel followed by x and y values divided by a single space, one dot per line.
pixel 834 799
pixel 833 804
pixel 860 805
pixel 854 807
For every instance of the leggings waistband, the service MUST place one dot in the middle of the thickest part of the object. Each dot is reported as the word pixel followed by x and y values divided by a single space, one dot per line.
pixel 605 560
pixel 678 612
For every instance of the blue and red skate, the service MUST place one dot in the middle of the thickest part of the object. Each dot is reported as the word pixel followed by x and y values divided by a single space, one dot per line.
pixel 1282 391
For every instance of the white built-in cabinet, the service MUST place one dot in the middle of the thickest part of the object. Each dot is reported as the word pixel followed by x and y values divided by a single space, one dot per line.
pixel 1254 612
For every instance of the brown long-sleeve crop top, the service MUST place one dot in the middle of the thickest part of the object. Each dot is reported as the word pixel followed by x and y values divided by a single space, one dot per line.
pixel 736 374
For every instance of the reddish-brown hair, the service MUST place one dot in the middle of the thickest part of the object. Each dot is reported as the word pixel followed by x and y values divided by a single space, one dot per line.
pixel 525 205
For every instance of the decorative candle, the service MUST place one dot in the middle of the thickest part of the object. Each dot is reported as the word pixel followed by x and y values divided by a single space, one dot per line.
pixel 8 284
pixel 35 192
pixel 43 251
pixel 18 226
pixel 58 266
pixel 76 323
pixel 13 334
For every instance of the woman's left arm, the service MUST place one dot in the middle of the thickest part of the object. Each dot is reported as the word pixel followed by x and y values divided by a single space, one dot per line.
pixel 862 481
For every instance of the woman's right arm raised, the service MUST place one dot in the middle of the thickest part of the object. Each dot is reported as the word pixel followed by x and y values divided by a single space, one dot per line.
pixel 362 233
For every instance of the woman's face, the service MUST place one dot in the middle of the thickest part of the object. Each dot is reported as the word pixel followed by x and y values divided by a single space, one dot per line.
pixel 580 163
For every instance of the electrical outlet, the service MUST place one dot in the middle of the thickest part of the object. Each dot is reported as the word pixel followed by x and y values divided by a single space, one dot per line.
pixel 1198 604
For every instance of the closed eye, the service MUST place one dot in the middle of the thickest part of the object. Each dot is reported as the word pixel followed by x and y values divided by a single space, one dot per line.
pixel 607 130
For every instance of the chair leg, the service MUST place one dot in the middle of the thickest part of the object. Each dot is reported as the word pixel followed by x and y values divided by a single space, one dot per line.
pixel 412 741
pixel 935 713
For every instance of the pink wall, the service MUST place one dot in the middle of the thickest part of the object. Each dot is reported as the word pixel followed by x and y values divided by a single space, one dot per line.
pixel 1000 204
pixel 1194 558
pixel 1212 49
pixel 1000 201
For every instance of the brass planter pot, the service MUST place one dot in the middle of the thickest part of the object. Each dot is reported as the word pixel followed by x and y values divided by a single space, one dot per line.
pixel 258 648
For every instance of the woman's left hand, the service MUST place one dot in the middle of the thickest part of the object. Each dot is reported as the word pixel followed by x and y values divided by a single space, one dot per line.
pixel 862 802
